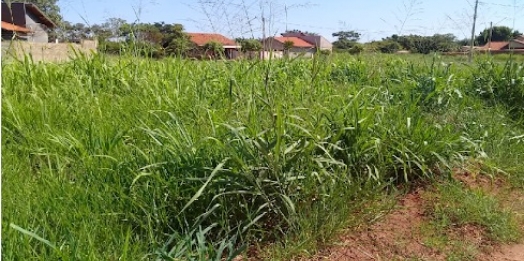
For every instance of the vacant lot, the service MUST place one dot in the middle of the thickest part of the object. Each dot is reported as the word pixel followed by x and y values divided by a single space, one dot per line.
pixel 129 158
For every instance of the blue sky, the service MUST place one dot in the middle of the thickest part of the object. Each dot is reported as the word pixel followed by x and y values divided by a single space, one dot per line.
pixel 373 18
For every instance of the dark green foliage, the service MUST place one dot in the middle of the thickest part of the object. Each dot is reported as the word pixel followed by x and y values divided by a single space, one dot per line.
pixel 301 32
pixel 356 49
pixel 501 85
pixel 425 44
pixel 389 46
pixel 249 45
pixel 346 40
pixel 498 34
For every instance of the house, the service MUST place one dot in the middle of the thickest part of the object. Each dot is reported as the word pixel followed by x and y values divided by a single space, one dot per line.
pixel 276 46
pixel 495 46
pixel 199 40
pixel 25 21
pixel 516 43
pixel 318 41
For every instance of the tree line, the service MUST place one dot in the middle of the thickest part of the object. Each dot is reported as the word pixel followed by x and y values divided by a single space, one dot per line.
pixel 160 39
pixel 348 41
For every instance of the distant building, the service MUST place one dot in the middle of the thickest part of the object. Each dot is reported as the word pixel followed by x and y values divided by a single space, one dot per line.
pixel 318 41
pixel 199 40
pixel 515 43
pixel 24 21
pixel 305 45
pixel 276 46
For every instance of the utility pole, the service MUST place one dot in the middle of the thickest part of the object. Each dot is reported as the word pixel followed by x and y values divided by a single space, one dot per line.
pixel 490 35
pixel 264 42
pixel 263 27
pixel 285 9
pixel 472 44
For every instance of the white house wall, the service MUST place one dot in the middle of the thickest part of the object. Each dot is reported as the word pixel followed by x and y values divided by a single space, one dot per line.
pixel 515 45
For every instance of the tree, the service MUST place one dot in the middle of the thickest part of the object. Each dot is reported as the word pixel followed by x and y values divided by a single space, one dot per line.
pixel 423 44
pixel 295 31
pixel 73 32
pixel 388 46
pixel 175 40
pixel 356 49
pixel 115 25
pixel 346 39
pixel 347 35
pixel 149 33
pixel 215 48
pixel 500 33
pixel 100 32
pixel 249 46
pixel 287 46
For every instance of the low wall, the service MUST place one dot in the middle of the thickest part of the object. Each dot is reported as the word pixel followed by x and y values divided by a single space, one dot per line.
pixel 47 52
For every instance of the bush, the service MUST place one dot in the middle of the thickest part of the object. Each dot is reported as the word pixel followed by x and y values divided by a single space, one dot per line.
pixel 356 49
pixel 110 47
pixel 389 46
pixel 324 52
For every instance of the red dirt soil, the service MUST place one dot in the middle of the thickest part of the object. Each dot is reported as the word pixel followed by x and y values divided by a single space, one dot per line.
pixel 509 253
pixel 398 235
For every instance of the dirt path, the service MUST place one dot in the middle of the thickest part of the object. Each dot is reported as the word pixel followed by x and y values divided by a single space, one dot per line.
pixel 510 253
pixel 403 234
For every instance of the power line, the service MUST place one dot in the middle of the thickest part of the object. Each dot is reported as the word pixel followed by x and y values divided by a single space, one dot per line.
pixel 503 5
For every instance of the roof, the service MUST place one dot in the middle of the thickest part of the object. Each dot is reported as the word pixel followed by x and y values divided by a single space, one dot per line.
pixel 32 8
pixel 38 13
pixel 15 28
pixel 297 42
pixel 201 39
pixel 495 45
pixel 519 40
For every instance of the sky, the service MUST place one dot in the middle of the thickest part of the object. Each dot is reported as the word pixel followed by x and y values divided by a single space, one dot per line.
pixel 374 19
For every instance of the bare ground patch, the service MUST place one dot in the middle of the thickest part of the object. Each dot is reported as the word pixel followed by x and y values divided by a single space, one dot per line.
pixel 404 234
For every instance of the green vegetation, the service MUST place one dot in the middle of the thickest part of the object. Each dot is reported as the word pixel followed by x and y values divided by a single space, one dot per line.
pixel 137 158
pixel 456 206
pixel 460 221
pixel 497 34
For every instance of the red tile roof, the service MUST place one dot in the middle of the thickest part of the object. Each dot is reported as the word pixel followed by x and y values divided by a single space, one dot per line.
pixel 15 28
pixel 201 39
pixel 495 45
pixel 297 42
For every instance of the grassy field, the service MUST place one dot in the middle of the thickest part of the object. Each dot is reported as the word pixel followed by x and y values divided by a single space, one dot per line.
pixel 127 159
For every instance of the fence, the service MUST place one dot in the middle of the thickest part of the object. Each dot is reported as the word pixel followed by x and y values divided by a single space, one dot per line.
pixel 47 52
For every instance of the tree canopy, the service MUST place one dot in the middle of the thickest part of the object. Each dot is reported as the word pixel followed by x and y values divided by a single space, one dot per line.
pixel 300 31
pixel 346 39
pixel 249 45
pixel 500 33
pixel 419 43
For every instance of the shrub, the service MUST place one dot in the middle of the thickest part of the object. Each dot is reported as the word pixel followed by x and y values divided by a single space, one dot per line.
pixel 356 49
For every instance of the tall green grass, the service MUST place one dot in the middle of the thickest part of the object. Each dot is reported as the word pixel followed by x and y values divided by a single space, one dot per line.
pixel 135 158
